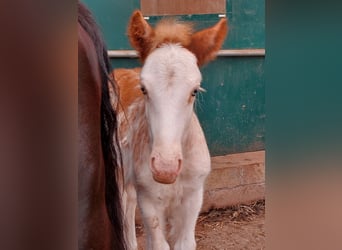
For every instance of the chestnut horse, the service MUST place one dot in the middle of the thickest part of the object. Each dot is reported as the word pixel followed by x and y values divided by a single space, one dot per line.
pixel 100 223
pixel 165 156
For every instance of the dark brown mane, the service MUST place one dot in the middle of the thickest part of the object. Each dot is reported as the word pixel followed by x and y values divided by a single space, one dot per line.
pixel 109 141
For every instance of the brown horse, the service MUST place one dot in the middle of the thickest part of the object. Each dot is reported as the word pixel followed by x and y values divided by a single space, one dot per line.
pixel 99 220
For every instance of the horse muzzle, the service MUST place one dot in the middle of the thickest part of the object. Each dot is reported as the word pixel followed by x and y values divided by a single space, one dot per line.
pixel 165 171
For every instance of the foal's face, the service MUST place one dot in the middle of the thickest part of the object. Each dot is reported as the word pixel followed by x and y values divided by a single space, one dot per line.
pixel 170 79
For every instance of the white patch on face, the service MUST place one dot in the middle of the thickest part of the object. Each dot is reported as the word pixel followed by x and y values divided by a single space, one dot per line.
pixel 169 75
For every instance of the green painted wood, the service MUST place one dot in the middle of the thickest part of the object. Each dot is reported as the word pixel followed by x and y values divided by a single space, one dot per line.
pixel 232 111
pixel 112 16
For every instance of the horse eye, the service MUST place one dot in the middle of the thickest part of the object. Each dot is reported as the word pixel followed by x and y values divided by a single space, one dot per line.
pixel 143 90
pixel 194 92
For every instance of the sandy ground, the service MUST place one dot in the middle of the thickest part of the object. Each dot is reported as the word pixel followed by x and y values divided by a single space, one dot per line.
pixel 239 227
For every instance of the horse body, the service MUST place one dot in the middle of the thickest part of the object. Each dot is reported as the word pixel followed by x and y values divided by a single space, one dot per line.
pixel 165 155
pixel 99 213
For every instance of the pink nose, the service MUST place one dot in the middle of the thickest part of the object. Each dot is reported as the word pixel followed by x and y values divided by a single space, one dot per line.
pixel 165 171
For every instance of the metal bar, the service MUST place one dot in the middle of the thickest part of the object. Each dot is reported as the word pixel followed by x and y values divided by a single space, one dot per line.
pixel 225 52
pixel 123 53
pixel 241 52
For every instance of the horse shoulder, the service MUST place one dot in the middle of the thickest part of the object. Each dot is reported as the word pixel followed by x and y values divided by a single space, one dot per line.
pixel 128 81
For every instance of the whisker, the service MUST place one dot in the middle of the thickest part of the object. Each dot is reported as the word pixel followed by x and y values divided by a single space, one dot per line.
pixel 202 89
pixel 199 100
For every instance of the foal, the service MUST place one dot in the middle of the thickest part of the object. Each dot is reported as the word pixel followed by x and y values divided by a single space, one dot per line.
pixel 165 155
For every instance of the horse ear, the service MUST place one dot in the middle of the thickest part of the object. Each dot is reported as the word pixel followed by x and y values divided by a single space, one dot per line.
pixel 140 34
pixel 206 43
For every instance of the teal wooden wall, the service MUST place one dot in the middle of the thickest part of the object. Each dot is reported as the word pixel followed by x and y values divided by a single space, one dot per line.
pixel 232 111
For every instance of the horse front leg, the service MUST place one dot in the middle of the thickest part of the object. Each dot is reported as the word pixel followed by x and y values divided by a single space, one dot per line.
pixel 184 219
pixel 130 205
pixel 154 222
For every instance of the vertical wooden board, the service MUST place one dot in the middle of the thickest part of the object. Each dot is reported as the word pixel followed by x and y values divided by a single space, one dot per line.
pixel 232 111
pixel 246 24
pixel 112 17
pixel 182 7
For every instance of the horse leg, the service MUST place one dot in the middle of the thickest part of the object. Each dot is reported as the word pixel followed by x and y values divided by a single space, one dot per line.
pixel 130 198
pixel 184 221
pixel 154 223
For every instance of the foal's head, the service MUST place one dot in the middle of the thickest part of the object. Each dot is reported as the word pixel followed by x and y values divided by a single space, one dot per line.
pixel 170 80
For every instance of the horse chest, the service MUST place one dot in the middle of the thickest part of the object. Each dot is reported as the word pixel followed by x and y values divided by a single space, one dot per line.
pixel 164 195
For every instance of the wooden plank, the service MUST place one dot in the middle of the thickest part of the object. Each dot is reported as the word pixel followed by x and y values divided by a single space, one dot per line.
pixel 221 198
pixel 182 7
pixel 235 179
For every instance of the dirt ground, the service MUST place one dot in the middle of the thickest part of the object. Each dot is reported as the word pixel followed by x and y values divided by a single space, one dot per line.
pixel 238 227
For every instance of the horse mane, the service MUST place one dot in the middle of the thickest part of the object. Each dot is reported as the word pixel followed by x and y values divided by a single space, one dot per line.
pixel 109 138
pixel 172 30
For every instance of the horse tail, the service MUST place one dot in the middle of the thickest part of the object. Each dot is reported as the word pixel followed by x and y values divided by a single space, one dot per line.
pixel 111 153
pixel 109 136
pixel 112 156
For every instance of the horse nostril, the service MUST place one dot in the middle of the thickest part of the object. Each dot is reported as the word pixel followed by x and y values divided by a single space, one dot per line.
pixel 179 166
pixel 152 163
